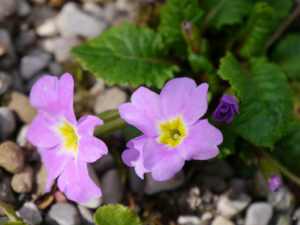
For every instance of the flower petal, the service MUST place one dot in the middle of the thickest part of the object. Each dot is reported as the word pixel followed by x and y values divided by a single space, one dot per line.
pixel 76 183
pixel 162 162
pixel 143 112
pixel 196 104
pixel 90 149
pixel 41 131
pixel 174 95
pixel 201 142
pixel 65 96
pixel 54 163
pixel 86 124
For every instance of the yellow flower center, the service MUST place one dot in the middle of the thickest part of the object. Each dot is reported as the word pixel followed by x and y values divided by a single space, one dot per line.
pixel 172 132
pixel 70 137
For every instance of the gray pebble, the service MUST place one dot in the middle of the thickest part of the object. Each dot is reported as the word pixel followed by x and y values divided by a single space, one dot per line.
pixel 106 162
pixel 219 220
pixel 282 200
pixel 63 214
pixel 259 213
pixel 188 220
pixel 7 122
pixel 86 215
pixel 30 214
pixel 5 82
pixel 112 187
pixel 7 8
pixel 24 8
pixel 7 50
pixel 135 182
pixel 24 40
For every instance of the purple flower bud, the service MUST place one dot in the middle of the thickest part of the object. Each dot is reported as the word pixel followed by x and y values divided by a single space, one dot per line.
pixel 274 182
pixel 226 109
pixel 187 27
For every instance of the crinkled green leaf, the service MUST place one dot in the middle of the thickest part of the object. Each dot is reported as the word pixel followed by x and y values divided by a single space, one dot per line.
pixel 282 7
pixel 260 25
pixel 266 99
pixel 290 148
pixel 116 215
pixel 126 54
pixel 287 55
pixel 227 12
pixel 172 14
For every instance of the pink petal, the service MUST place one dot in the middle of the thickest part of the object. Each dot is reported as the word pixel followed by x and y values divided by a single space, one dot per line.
pixel 143 112
pixel 174 95
pixel 41 131
pixel 76 183
pixel 54 163
pixel 86 125
pixel 162 162
pixel 196 104
pixel 201 142
pixel 90 149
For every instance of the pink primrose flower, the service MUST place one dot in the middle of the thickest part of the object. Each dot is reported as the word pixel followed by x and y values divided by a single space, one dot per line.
pixel 172 130
pixel 65 145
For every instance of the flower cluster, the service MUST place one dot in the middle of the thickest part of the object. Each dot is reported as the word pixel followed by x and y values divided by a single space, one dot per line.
pixel 65 145
pixel 172 130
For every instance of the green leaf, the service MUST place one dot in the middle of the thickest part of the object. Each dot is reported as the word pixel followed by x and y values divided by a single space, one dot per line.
pixel 228 145
pixel 290 148
pixel 282 7
pixel 15 223
pixel 266 99
pixel 116 215
pixel 227 12
pixel 260 25
pixel 126 54
pixel 130 132
pixel 172 14
pixel 287 55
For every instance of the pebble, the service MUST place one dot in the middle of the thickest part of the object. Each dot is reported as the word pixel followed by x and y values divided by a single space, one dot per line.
pixel 55 69
pixel 3 220
pixel 7 8
pixel 282 200
pixel 206 218
pixel 41 176
pixel 7 122
pixel 296 216
pixel 24 8
pixel 11 157
pixel 5 82
pixel 219 220
pixel 219 168
pixel 21 105
pixel 260 187
pixel 86 215
pixel 281 219
pixel 230 208
pixel 214 183
pixel 112 98
pixel 152 186
pixel 188 220
pixel 60 47
pixel 21 137
pixel 48 28
pixel 6 193
pixel 98 87
pixel 238 185
pixel 94 9
pixel 24 40
pixel 112 187
pixel 135 182
pixel 6 49
pixel 41 13
pixel 17 84
pixel 259 213
pixel 22 182
pixel 33 63
pixel 71 21
pixel 63 214
pixel 30 214
pixel 106 162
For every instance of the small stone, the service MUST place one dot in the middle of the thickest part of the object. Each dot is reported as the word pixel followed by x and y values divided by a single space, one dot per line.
pixel 281 218
pixel 11 157
pixel 98 87
pixel 55 69
pixel 190 200
pixel 296 216
pixel 260 187
pixel 71 21
pixel 219 168
pixel 188 220
pixel 21 105
pixel 63 214
pixel 8 55
pixel 94 9
pixel 230 208
pixel 106 162
pixel 60 47
pixel 135 182
pixel 259 213
pixel 282 200
pixel 6 193
pixel 206 218
pixel 153 186
pixel 41 13
pixel 21 137
pixel 24 40
pixel 33 63
pixel 22 182
pixel 41 176
pixel 112 187
pixel 5 82
pixel 214 183
pixel 112 98
pixel 17 84
pixel 47 29
pixel 24 8
pixel 219 220
pixel 7 123
pixel 238 185
pixel 30 213
pixel 41 2
pixel 3 220
pixel 86 215
pixel 7 8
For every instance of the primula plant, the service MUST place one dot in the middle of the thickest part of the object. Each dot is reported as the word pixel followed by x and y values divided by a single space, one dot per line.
pixel 228 77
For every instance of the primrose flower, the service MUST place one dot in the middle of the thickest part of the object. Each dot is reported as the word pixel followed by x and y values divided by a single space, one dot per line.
pixel 172 130
pixel 65 145
pixel 274 182
pixel 226 109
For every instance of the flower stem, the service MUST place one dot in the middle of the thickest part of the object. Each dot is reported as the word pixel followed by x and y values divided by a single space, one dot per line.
pixel 281 168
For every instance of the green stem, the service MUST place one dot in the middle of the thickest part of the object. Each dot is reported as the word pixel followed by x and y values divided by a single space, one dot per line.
pixel 9 211
pixel 110 126
pixel 281 168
